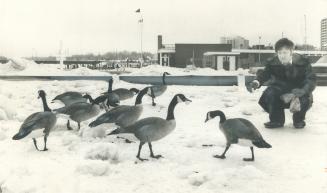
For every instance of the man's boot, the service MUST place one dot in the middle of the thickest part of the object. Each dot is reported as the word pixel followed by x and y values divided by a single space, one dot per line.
pixel 273 125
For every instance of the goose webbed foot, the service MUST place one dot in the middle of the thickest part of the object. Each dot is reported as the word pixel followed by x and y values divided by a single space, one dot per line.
pixel 141 159
pixel 156 156
pixel 222 156
pixel 151 152
pixel 139 152
pixel 219 156
pixel 35 144
pixel 68 126
pixel 250 159
pixel 154 104
pixel 45 149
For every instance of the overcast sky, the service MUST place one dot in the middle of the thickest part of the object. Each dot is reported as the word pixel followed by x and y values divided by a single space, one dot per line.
pixel 29 27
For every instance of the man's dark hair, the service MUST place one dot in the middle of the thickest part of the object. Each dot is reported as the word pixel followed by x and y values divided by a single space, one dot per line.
pixel 284 42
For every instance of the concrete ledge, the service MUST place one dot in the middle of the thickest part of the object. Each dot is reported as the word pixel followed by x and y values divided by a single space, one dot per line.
pixel 188 80
pixel 183 80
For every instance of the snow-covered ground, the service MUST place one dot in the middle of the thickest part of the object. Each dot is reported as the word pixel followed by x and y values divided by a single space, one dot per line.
pixel 90 162
pixel 19 66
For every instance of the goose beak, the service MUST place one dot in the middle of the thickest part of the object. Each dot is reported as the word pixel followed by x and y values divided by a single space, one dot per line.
pixel 188 101
pixel 206 120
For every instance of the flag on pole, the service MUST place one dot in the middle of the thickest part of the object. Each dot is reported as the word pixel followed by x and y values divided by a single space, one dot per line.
pixel 138 10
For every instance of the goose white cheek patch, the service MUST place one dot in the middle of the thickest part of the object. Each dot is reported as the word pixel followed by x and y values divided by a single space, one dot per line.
pixel 179 100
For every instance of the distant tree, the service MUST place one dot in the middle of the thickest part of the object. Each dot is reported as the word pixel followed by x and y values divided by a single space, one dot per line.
pixel 305 47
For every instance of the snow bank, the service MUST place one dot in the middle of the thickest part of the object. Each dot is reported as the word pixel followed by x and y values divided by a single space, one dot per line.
pixel 20 66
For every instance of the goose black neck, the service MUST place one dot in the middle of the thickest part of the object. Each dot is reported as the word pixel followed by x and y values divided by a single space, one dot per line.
pixel 110 86
pixel 222 116
pixel 45 105
pixel 140 96
pixel 171 108
pixel 90 99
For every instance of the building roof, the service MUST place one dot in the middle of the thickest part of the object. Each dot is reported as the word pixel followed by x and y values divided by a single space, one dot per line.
pixel 221 53
pixel 309 52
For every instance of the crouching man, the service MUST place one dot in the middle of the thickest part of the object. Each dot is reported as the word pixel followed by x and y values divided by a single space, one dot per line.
pixel 290 82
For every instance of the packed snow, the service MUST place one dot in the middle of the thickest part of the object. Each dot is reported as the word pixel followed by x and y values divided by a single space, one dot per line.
pixel 88 161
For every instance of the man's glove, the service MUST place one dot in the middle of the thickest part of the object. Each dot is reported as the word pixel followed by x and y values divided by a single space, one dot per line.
pixel 253 86
pixel 298 92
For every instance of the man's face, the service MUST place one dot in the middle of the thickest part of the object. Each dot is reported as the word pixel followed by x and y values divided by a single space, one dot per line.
pixel 285 55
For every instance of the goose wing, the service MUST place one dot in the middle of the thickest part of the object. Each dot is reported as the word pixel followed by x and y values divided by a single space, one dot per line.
pixel 73 108
pixel 39 120
pixel 69 94
pixel 150 129
pixel 158 89
pixel 113 114
pixel 241 128
pixel 123 93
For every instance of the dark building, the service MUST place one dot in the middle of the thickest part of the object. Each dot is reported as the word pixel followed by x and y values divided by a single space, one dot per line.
pixel 193 54
pixel 181 55
pixel 219 56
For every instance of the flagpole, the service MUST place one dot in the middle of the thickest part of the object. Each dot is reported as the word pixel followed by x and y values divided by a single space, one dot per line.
pixel 140 21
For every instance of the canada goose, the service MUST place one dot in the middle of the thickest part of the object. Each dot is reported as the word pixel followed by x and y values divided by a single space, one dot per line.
pixel 38 124
pixel 123 115
pixel 109 98
pixel 124 93
pixel 238 131
pixel 158 90
pixel 153 128
pixel 79 112
pixel 105 100
pixel 69 98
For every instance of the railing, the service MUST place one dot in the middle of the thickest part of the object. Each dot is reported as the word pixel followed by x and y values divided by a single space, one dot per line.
pixel 188 80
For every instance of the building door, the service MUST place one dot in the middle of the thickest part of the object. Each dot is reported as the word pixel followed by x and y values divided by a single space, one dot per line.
pixel 232 63
pixel 226 62
pixel 165 60
pixel 220 62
